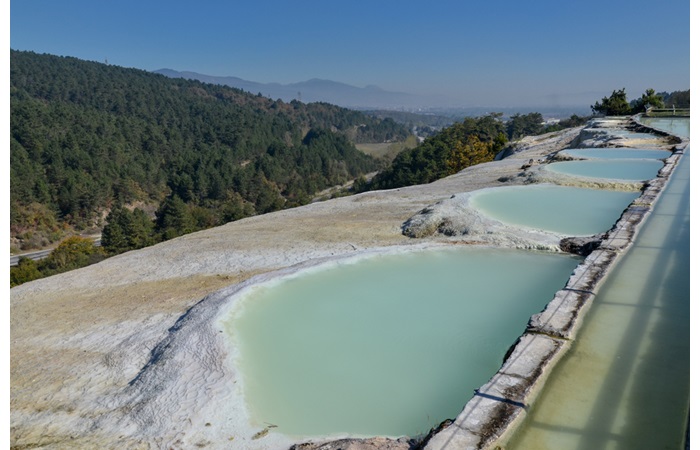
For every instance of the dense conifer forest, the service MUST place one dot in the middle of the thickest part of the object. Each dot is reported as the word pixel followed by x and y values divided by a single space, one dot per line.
pixel 88 138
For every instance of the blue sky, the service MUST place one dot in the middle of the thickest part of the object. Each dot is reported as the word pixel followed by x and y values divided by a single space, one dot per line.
pixel 496 53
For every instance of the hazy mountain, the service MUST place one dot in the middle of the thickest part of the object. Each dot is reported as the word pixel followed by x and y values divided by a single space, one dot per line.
pixel 314 90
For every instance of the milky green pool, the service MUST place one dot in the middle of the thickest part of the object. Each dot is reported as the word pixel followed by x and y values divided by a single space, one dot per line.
pixel 678 126
pixel 387 345
pixel 628 134
pixel 616 153
pixel 625 384
pixel 616 169
pixel 567 210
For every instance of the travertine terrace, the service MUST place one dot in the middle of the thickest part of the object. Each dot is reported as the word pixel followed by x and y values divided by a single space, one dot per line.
pixel 127 353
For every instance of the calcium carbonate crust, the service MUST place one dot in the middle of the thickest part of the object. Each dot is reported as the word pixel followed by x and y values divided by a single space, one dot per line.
pixel 130 353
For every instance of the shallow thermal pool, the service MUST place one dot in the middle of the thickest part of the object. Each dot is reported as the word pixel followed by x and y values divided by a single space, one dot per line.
pixel 625 383
pixel 616 153
pixel 567 210
pixel 628 134
pixel 617 169
pixel 385 345
pixel 678 126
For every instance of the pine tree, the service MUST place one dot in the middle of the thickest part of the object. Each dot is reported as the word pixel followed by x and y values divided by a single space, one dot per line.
pixel 615 105
pixel 173 219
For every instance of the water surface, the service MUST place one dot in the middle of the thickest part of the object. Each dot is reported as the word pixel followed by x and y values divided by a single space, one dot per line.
pixel 616 153
pixel 626 382
pixel 616 169
pixel 561 209
pixel 628 134
pixel 678 126
pixel 389 345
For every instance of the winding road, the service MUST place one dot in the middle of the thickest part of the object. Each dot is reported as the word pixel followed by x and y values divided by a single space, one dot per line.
pixel 41 254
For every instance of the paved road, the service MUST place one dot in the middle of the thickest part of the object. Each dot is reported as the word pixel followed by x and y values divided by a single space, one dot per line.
pixel 14 260
pixel 41 254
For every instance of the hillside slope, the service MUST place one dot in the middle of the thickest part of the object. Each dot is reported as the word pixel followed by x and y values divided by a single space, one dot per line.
pixel 85 136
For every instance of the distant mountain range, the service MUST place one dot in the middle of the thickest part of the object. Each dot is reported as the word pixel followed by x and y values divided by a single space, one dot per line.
pixel 375 98
pixel 314 90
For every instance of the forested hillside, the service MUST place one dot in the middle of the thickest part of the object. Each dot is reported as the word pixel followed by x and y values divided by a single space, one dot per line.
pixel 87 137
pixel 473 141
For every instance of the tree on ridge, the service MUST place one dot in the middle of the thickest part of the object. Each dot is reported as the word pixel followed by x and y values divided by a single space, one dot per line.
pixel 615 105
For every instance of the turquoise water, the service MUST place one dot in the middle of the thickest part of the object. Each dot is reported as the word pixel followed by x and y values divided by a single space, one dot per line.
pixel 388 345
pixel 617 153
pixel 679 126
pixel 625 384
pixel 567 210
pixel 616 169
pixel 627 134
